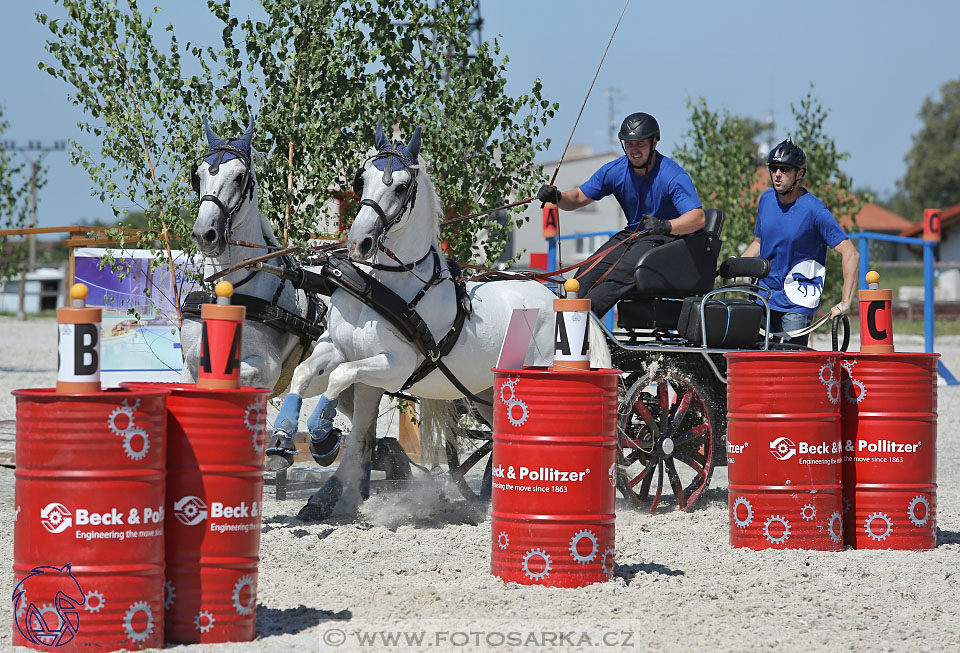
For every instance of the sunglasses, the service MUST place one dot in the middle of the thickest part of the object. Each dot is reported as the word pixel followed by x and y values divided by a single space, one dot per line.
pixel 775 168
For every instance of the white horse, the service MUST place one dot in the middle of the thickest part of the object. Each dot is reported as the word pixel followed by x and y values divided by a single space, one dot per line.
pixel 227 185
pixel 396 233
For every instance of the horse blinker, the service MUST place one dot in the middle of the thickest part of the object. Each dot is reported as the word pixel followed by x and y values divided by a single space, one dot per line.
pixel 194 178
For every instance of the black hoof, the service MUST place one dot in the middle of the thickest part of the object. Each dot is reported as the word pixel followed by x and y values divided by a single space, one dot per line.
pixel 281 444
pixel 321 504
pixel 389 457
pixel 325 451
pixel 278 462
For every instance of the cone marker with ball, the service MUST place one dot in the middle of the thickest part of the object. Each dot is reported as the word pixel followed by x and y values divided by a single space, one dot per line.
pixel 571 347
pixel 220 341
pixel 876 316
pixel 78 344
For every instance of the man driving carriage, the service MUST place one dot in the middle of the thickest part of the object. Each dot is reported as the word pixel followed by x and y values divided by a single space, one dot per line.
pixel 793 230
pixel 657 197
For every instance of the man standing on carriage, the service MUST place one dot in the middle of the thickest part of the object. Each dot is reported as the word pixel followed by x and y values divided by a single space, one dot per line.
pixel 793 230
pixel 657 197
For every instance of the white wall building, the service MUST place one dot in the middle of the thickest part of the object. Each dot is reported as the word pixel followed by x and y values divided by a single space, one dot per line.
pixel 528 241
pixel 43 291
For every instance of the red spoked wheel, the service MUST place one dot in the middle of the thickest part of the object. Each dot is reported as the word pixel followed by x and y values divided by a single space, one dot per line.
pixel 666 428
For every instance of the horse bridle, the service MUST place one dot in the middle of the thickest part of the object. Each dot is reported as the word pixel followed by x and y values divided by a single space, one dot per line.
pixel 391 154
pixel 215 157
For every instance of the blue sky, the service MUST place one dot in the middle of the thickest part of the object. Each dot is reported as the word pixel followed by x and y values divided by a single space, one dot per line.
pixel 871 64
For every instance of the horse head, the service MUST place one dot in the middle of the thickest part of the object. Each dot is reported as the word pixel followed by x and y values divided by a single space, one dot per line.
pixel 225 181
pixel 388 185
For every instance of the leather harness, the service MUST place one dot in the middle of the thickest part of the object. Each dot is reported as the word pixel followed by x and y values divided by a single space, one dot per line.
pixel 404 316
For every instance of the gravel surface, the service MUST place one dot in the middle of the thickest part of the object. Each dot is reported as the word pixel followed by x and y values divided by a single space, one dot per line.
pixel 417 564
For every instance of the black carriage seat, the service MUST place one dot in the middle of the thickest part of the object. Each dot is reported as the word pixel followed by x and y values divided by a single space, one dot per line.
pixel 667 274
pixel 733 318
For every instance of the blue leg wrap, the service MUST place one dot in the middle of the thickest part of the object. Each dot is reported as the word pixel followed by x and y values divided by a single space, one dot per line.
pixel 289 416
pixel 321 419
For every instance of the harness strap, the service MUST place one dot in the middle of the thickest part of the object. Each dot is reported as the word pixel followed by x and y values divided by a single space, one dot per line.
pixel 260 310
pixel 404 317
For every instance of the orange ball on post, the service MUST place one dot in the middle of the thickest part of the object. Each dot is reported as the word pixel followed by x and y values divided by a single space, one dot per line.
pixel 876 316
pixel 571 349
pixel 78 344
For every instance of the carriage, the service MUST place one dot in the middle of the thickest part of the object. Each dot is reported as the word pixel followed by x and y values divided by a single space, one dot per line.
pixel 673 331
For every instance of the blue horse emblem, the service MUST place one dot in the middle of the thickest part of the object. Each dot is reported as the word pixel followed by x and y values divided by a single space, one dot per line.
pixel 808 285
pixel 55 624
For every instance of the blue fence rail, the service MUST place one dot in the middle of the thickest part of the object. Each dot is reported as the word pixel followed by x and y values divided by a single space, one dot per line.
pixel 864 239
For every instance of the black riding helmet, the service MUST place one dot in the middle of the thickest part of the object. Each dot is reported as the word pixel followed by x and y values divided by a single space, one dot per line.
pixel 787 153
pixel 638 127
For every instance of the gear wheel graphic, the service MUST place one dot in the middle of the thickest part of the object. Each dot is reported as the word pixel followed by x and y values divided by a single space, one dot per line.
pixel 24 602
pixel 607 561
pixel 808 512
pixel 131 403
pixel 854 397
pixel 204 621
pixel 55 518
pixel 912 510
pixel 779 520
pixel 93 601
pixel 244 609
pixel 868 526
pixel 190 511
pixel 509 383
pixel 253 420
pixel 169 595
pixel 575 542
pixel 742 523
pixel 46 609
pixel 846 505
pixel 827 367
pixel 523 415
pixel 112 420
pixel 141 636
pixel 534 553
pixel 132 453
pixel 503 540
pixel 836 527
pixel 833 392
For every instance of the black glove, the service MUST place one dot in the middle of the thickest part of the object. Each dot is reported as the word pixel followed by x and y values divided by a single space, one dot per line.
pixel 548 193
pixel 656 226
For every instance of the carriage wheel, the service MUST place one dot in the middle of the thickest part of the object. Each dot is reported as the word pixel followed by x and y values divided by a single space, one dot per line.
pixel 472 486
pixel 476 455
pixel 666 427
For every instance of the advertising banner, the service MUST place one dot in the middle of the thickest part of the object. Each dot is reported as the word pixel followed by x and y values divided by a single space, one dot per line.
pixel 140 335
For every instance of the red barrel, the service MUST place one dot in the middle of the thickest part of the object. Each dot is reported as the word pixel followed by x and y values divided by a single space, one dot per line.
pixel 889 413
pixel 554 476
pixel 216 439
pixel 783 450
pixel 89 520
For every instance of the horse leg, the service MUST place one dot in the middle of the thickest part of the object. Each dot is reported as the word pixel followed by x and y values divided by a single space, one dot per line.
pixel 351 482
pixel 281 449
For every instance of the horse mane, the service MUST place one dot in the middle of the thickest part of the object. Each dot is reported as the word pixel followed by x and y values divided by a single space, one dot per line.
pixel 436 207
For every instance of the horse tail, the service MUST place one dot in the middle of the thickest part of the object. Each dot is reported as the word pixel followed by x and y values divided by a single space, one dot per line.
pixel 439 420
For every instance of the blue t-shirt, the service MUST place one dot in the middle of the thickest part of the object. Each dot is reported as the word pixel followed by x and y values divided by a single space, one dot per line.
pixel 794 238
pixel 666 192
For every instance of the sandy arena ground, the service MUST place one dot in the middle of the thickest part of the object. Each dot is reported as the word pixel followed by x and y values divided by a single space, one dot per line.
pixel 413 565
